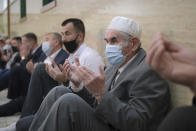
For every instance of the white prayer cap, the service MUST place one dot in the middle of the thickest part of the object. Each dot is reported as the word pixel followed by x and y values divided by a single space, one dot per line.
pixel 126 25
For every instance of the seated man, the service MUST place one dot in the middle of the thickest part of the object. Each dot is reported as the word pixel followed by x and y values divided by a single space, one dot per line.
pixel 52 47
pixel 15 59
pixel 29 40
pixel 15 43
pixel 177 64
pixel 129 96
pixel 2 54
pixel 42 81
pixel 56 56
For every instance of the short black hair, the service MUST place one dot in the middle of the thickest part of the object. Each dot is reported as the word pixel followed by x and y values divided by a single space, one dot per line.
pixel 17 38
pixel 77 23
pixel 31 37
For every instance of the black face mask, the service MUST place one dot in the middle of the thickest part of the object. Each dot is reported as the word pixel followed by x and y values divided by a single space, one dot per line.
pixel 15 49
pixel 71 46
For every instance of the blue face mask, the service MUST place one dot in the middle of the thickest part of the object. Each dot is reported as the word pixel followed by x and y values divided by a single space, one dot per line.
pixel 114 55
pixel 46 48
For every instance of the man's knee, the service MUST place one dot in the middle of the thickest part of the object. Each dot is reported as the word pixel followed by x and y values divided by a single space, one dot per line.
pixel 70 100
pixel 58 91
pixel 24 123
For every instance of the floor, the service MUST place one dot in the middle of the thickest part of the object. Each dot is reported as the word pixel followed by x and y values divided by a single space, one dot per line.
pixel 5 121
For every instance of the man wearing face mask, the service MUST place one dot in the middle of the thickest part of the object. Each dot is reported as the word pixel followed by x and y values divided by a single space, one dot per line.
pixel 128 96
pixel 53 53
pixel 15 59
pixel 52 47
pixel 15 43
pixel 73 34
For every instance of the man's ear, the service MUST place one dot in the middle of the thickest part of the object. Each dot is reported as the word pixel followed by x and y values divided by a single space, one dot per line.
pixel 81 36
pixel 135 44
pixel 56 43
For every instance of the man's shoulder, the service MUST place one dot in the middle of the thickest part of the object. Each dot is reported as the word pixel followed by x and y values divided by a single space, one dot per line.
pixel 91 54
pixel 89 51
pixel 63 52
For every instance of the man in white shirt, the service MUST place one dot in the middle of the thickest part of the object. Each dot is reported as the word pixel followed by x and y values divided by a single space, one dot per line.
pixel 73 34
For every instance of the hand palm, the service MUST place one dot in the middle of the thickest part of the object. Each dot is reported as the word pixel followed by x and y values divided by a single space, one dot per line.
pixel 73 75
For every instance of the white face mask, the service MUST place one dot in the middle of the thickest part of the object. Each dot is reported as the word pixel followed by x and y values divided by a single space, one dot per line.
pixel 114 55
pixel 46 48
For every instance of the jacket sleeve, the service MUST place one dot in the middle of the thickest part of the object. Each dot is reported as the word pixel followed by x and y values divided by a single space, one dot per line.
pixel 88 97
pixel 147 100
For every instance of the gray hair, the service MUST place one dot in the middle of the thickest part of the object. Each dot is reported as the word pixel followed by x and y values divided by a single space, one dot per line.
pixel 57 36
pixel 127 37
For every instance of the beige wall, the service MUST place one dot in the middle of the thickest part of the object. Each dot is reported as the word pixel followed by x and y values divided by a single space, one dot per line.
pixel 176 18
pixel 3 24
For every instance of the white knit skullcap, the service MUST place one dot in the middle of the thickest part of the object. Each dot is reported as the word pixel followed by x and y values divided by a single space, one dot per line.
pixel 126 25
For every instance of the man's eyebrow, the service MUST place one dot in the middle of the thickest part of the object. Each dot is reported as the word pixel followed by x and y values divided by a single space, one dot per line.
pixel 64 31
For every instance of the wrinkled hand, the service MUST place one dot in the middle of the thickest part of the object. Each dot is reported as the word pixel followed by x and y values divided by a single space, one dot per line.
pixel 55 73
pixel 92 81
pixel 172 61
pixel 30 66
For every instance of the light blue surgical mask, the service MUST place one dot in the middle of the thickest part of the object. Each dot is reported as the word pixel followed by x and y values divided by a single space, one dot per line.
pixel 114 55
pixel 46 48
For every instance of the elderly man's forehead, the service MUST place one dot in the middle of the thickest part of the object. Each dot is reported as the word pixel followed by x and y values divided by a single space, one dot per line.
pixel 47 36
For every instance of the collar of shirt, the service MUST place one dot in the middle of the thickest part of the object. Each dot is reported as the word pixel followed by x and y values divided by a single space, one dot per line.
pixel 78 53
pixel 35 49
pixel 125 65
pixel 120 70
pixel 49 59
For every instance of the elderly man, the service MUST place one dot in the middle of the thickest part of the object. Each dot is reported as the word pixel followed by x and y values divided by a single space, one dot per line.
pixel 55 55
pixel 52 48
pixel 129 97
